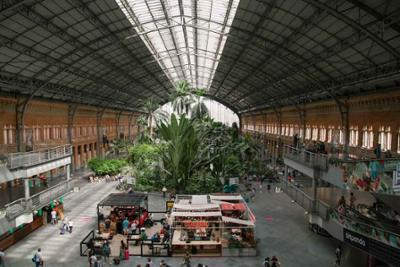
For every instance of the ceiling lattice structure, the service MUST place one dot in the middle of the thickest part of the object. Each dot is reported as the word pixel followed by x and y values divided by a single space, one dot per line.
pixel 247 54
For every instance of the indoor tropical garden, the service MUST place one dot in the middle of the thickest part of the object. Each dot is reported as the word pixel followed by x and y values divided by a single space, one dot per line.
pixel 185 151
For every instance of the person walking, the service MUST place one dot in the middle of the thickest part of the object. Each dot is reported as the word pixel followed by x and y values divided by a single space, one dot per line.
pixel 53 216
pixel 92 260
pixel 106 252
pixel 2 255
pixel 186 260
pixel 125 226
pixel 338 253
pixel 70 226
pixel 38 258
pixel 275 262
pixel 149 262
pixel 164 191
pixel 267 262
pixel 378 151
pixel 352 200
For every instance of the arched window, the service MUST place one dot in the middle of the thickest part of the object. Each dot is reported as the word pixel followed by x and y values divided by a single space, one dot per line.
pixel 315 133
pixel 322 134
pixel 368 137
pixel 385 138
pixel 291 130
pixel 341 136
pixel 353 136
pixel 308 132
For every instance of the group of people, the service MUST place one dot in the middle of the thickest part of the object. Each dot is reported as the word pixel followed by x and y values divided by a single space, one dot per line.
pixel 342 205
pixel 106 178
pixel 271 262
pixel 124 221
pixel 66 225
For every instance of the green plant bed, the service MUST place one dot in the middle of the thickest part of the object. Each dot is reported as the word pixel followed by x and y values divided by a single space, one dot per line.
pixel 106 166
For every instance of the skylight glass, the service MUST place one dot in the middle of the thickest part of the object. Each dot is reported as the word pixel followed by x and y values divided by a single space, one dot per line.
pixel 186 37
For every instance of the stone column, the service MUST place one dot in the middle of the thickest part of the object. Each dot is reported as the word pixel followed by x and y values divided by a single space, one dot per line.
pixel 68 171
pixel 286 173
pixel 26 191
pixel 314 187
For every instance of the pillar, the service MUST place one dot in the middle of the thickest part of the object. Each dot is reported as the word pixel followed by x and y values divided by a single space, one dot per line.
pixel 26 190
pixel 286 173
pixel 68 171
pixel 75 158
pixel 314 187
pixel 99 146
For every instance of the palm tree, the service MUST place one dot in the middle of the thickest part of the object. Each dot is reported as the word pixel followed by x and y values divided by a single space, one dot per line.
pixel 154 114
pixel 199 109
pixel 182 156
pixel 182 98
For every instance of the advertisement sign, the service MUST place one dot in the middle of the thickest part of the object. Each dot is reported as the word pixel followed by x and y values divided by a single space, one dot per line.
pixel 396 178
pixel 377 248
pixel 355 239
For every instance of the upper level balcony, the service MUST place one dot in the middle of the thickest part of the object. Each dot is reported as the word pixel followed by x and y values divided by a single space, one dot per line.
pixel 371 175
pixel 29 159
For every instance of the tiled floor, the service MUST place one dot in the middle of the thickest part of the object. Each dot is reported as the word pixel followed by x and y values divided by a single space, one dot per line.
pixel 281 227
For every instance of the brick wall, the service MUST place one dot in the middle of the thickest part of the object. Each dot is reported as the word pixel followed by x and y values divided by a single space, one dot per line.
pixel 377 112
pixel 46 124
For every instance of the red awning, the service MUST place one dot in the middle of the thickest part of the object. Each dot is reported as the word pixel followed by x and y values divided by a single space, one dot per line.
pixel 232 206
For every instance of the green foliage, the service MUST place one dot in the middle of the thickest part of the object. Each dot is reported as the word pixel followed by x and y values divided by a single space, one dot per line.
pixel 192 155
pixel 106 166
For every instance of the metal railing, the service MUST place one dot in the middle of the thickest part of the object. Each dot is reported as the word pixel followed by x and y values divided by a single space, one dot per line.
pixel 305 201
pixel 368 230
pixel 323 209
pixel 298 195
pixel 26 159
pixel 38 200
pixel 313 160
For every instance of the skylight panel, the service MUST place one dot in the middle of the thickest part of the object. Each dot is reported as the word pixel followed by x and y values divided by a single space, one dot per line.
pixel 186 37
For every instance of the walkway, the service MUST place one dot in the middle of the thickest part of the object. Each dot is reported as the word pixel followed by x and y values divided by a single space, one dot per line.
pixel 282 228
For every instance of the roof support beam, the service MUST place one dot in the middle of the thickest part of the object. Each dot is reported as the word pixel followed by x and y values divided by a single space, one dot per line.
pixel 64 35
pixel 360 28
pixel 61 67
pixel 221 36
pixel 87 12
pixel 260 22
pixel 286 43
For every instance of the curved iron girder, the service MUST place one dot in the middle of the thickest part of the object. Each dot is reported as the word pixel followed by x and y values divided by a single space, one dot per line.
pixel 371 11
pixel 356 26
pixel 49 26
pixel 385 71
pixel 287 42
pixel 261 20
pixel 61 67
pixel 87 12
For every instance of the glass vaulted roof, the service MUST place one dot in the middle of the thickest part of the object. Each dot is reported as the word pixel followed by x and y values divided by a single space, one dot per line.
pixel 186 37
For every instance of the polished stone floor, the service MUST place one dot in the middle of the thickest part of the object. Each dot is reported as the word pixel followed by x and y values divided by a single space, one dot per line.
pixel 282 229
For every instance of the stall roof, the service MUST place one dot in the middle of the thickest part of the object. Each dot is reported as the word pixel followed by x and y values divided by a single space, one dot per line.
pixel 238 221
pixel 210 206
pixel 124 199
pixel 233 206
pixel 226 197
pixel 196 214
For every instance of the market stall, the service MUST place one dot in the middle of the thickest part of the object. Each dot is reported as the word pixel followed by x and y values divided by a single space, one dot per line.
pixel 205 225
